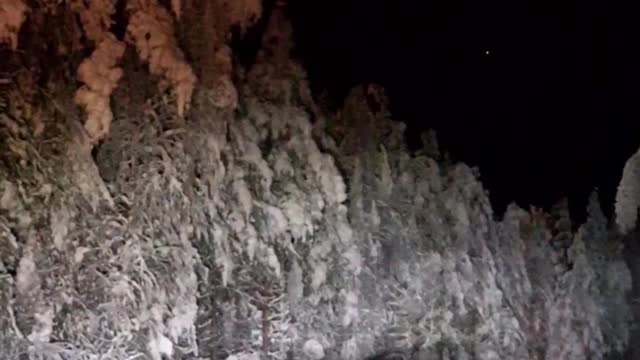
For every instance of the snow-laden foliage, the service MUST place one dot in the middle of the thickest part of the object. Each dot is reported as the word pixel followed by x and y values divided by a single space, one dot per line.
pixel 95 17
pixel 12 15
pixel 628 195
pixel 100 74
pixel 273 63
pixel 224 94
pixel 151 31
pixel 206 37
pixel 454 283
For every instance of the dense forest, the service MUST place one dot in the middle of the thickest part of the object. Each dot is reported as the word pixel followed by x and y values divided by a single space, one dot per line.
pixel 164 197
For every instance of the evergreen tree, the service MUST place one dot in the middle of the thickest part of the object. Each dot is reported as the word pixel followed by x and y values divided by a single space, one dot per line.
pixel 561 225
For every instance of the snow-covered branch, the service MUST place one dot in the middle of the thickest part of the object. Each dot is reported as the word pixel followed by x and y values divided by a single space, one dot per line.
pixel 151 30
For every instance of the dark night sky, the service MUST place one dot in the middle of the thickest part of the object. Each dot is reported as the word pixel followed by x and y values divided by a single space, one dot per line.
pixel 551 110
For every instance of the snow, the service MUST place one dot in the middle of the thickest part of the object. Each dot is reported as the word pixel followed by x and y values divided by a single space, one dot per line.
pixel 244 356
pixel 313 349
pixel 159 346
pixel 27 276
pixel 351 308
pixel 79 254
pixel 295 287
pixel 319 275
